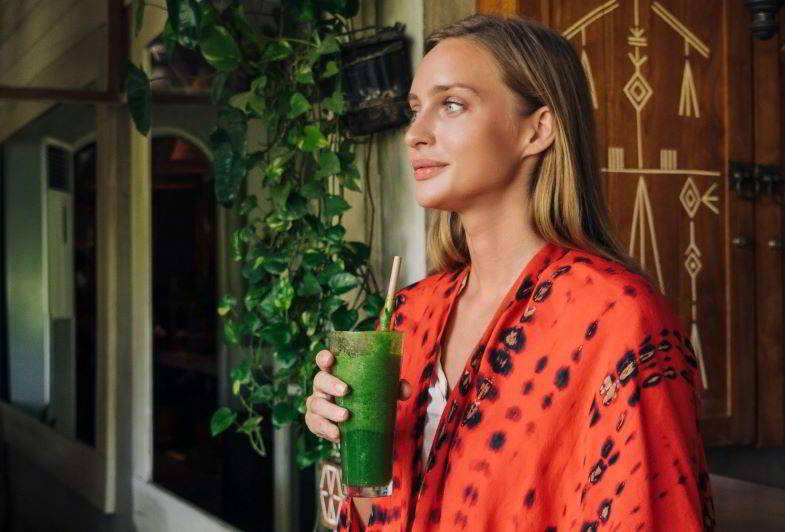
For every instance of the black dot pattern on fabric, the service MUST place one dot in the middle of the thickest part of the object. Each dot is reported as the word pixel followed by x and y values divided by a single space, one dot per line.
pixel 591 330
pixel 497 440
pixel 501 362
pixel 529 499
pixel 562 378
pixel 565 322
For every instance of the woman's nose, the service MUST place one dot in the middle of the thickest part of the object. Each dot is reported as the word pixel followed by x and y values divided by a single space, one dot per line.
pixel 419 131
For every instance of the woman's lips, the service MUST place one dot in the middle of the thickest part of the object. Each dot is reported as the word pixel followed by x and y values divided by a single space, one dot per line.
pixel 427 172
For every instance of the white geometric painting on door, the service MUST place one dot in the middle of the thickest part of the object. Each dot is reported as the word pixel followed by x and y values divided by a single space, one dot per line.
pixel 643 244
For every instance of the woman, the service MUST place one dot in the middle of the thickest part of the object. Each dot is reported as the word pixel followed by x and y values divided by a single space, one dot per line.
pixel 547 385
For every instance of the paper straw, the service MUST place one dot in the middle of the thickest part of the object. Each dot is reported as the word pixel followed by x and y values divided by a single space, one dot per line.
pixel 388 303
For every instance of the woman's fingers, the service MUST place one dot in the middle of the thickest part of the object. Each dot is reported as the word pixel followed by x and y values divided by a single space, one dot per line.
pixel 321 410
pixel 324 359
pixel 405 390
pixel 328 410
pixel 321 427
pixel 329 384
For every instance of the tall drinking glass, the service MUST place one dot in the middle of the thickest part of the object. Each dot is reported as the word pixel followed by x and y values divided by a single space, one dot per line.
pixel 369 362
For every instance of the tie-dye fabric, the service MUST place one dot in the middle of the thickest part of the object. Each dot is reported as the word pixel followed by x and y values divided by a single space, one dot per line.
pixel 577 409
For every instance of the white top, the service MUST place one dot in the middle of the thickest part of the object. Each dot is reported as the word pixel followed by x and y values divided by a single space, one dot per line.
pixel 438 401
pixel 438 393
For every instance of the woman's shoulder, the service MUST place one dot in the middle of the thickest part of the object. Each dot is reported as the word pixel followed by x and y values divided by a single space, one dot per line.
pixel 411 300
pixel 581 279
pixel 428 285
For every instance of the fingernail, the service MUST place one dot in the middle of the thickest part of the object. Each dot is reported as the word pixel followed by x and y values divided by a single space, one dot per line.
pixel 340 388
pixel 344 414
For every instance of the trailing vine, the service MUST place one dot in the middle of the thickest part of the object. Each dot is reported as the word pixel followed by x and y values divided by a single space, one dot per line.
pixel 282 68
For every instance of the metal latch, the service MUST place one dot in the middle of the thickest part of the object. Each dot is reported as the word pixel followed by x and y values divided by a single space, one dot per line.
pixel 748 180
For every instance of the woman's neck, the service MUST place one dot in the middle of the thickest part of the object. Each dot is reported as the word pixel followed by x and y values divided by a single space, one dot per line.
pixel 500 246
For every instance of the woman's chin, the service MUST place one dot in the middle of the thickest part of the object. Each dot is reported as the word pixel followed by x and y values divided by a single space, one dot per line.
pixel 430 197
pixel 429 201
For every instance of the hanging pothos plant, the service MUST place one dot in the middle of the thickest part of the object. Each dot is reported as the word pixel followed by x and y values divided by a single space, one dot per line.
pixel 297 266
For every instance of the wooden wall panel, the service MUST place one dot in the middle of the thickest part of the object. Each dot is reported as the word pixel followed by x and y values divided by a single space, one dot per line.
pixel 769 272
pixel 673 100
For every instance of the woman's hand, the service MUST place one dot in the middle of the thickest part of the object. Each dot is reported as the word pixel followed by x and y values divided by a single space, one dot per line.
pixel 321 412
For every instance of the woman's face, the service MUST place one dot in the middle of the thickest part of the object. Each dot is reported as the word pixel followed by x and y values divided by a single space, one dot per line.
pixel 478 134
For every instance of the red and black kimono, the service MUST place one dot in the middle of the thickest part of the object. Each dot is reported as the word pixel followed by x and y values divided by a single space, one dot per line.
pixel 577 410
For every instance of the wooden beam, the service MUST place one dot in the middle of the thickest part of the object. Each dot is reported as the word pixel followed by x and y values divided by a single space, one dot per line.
pixel 95 97
pixel 61 95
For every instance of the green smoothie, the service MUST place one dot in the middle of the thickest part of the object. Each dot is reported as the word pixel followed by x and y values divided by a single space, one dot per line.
pixel 370 363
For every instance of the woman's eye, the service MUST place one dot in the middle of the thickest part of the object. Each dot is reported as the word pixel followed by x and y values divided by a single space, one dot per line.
pixel 448 102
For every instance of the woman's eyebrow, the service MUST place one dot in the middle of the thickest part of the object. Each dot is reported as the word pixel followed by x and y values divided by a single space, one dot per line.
pixel 442 88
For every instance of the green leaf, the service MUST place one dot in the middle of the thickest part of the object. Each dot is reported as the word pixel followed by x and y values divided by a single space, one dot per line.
pixel 309 286
pixel 258 84
pixel 241 21
pixel 220 49
pixel 241 373
pixel 312 190
pixel 304 75
pixel 277 50
pixel 262 394
pixel 276 222
pixel 294 135
pixel 257 104
pixel 184 23
pixel 283 413
pixel 358 249
pixel 249 204
pixel 335 233
pixel 231 332
pixel 226 304
pixel 334 205
pixel 331 304
pixel 329 163
pixel 350 178
pixel 229 166
pixel 222 419
pixel 313 259
pixel 139 94
pixel 329 45
pixel 239 100
pixel 277 334
pixel 296 206
pixel 344 319
pixel 276 264
pixel 334 102
pixel 330 69
pixel 343 282
pixel 279 193
pixel 373 304
pixel 298 105
pixel 312 139
pixel 217 88
pixel 250 424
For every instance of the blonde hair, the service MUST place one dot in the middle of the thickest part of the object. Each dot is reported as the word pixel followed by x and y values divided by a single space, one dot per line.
pixel 565 189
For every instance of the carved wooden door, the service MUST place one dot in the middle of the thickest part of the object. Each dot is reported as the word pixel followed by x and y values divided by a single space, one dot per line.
pixel 671 84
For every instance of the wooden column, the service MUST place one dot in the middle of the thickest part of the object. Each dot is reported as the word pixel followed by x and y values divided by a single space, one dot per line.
pixel 770 282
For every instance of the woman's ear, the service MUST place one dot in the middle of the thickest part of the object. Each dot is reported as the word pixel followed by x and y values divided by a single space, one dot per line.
pixel 538 132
